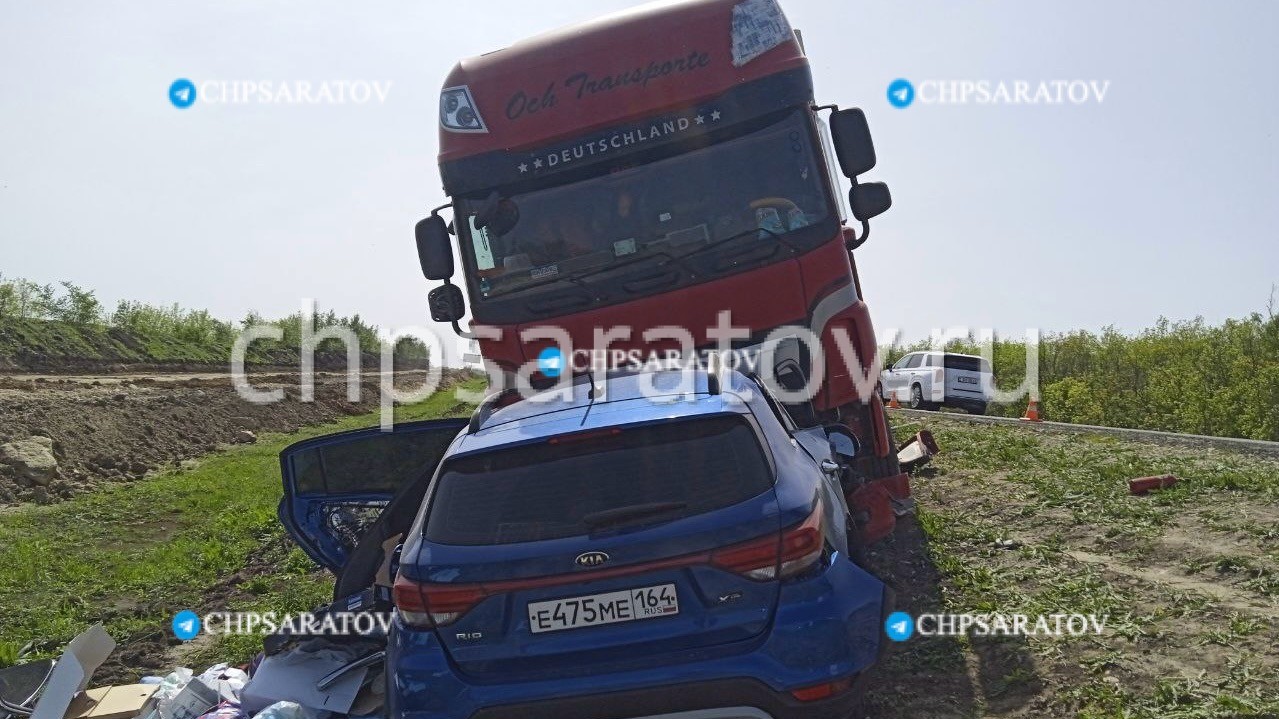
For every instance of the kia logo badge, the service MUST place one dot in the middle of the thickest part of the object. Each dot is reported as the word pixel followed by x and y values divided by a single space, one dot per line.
pixel 590 559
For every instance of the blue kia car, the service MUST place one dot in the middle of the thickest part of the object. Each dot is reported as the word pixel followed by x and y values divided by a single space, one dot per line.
pixel 646 544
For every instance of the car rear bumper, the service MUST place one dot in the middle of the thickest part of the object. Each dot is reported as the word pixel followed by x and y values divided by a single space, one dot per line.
pixel 825 629
pixel 723 699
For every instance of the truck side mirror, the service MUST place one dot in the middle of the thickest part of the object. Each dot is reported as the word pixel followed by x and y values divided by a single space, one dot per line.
pixel 434 250
pixel 869 199
pixel 446 303
pixel 853 146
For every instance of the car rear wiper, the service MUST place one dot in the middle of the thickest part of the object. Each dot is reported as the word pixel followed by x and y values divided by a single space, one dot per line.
pixel 622 515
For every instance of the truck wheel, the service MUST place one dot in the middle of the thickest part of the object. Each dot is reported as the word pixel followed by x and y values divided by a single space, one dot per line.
pixel 977 408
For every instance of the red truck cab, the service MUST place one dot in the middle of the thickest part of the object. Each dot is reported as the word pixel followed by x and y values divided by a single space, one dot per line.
pixel 660 168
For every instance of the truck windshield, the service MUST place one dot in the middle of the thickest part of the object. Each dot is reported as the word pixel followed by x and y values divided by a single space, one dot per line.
pixel 659 472
pixel 761 186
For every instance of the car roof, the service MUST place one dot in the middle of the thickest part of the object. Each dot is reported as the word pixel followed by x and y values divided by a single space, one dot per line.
pixel 619 399
pixel 939 352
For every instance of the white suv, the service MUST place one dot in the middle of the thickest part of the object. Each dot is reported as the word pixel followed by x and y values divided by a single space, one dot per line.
pixel 928 380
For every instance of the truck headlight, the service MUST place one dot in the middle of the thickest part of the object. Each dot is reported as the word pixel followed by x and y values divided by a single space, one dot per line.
pixel 458 112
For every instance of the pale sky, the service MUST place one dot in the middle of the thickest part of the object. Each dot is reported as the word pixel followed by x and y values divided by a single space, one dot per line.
pixel 1157 201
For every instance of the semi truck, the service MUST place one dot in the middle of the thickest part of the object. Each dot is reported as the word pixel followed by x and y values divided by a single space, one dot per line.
pixel 666 167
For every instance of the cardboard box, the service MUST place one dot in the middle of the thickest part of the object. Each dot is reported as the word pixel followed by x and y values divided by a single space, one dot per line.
pixel 119 702
pixel 71 674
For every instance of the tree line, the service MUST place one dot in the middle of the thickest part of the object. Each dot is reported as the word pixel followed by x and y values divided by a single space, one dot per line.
pixel 1179 376
pixel 24 300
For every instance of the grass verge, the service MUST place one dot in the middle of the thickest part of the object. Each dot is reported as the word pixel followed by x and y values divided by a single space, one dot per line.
pixel 132 555
pixel 1018 521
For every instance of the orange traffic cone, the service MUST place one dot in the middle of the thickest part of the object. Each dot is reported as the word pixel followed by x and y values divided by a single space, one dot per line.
pixel 1032 412
pixel 893 403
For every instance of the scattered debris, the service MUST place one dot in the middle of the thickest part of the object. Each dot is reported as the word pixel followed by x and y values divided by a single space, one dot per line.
pixel 918 451
pixel 195 698
pixel 299 676
pixel 1142 485
pixel 120 702
pixel 309 679
pixel 71 673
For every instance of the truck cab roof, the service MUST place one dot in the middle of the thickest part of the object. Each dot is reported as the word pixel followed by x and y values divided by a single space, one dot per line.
pixel 632 63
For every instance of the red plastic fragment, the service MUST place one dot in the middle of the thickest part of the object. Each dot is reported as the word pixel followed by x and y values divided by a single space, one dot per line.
pixel 1141 485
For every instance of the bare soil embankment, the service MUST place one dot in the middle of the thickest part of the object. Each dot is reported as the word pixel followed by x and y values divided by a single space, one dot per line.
pixel 120 427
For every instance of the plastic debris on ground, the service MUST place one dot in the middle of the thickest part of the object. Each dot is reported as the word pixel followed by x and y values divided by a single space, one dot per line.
pixel 1142 485
pixel 282 710
pixel 226 710
pixel 295 676
pixel 918 451
pixel 226 680
pixel 314 679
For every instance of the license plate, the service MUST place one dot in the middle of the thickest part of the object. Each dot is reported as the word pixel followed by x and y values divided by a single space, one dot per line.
pixel 627 605
pixel 968 380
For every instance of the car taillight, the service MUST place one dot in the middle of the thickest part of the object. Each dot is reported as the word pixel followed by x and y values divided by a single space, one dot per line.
pixel 939 375
pixel 777 558
pixel 426 604
pixel 822 691
pixel 434 605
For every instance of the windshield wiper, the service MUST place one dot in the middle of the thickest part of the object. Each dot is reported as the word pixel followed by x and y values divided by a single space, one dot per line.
pixel 739 236
pixel 576 281
pixel 622 515
pixel 636 260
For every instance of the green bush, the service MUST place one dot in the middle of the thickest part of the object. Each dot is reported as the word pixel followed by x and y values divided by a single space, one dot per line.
pixel 1176 376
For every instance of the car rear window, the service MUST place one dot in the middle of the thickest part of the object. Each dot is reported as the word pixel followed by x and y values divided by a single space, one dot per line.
pixel 545 490
pixel 971 364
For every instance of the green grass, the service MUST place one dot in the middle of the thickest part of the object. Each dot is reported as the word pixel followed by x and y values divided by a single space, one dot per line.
pixel 57 340
pixel 1007 512
pixel 132 555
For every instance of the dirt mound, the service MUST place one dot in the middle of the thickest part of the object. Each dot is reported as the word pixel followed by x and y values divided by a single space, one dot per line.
pixel 118 431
